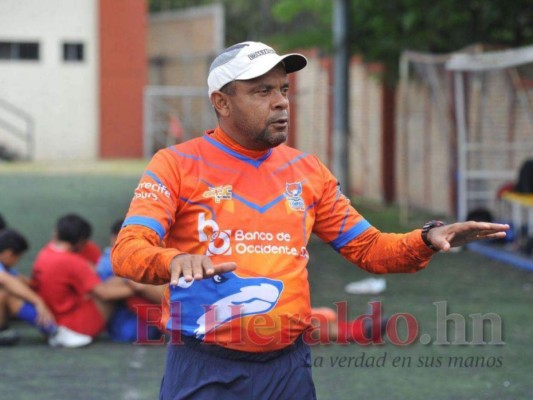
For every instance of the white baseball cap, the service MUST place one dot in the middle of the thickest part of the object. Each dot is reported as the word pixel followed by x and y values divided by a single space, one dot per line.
pixel 248 60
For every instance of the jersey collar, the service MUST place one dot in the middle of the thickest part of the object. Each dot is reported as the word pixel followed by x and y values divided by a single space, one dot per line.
pixel 221 140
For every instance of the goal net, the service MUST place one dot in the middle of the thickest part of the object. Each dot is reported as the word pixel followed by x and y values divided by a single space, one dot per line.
pixel 174 114
pixel 465 126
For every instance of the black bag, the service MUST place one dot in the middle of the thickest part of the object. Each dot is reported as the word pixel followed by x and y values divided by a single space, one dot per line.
pixel 525 178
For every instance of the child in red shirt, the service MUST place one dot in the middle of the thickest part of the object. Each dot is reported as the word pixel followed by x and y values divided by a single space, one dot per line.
pixel 69 285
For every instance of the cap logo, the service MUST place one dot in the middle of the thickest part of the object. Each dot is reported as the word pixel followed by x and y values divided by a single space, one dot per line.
pixel 259 53
pixel 240 62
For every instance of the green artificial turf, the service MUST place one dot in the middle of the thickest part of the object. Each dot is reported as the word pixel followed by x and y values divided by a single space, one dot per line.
pixel 32 198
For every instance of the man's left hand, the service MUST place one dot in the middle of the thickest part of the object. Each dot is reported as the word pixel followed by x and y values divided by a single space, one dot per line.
pixel 461 233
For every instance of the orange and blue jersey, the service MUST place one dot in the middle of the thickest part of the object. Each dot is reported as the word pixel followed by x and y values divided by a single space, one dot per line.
pixel 209 196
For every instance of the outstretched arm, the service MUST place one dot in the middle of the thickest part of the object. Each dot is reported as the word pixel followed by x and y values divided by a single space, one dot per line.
pixel 384 253
pixel 380 253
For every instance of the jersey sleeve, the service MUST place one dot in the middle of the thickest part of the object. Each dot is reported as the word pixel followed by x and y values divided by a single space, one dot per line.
pixel 336 221
pixel 155 198
pixel 382 253
pixel 139 253
pixel 340 224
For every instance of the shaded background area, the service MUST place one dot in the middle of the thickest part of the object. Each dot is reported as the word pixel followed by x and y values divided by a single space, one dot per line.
pixel 33 197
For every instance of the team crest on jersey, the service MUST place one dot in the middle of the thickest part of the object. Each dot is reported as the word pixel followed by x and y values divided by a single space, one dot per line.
pixel 219 193
pixel 293 194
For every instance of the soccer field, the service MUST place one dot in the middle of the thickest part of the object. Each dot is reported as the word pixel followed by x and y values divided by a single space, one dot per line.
pixel 462 285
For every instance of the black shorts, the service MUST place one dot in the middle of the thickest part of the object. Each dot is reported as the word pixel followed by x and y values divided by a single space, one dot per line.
pixel 205 372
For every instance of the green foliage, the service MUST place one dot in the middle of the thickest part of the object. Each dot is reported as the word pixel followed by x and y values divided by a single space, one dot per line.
pixel 307 23
pixel 165 5
pixel 380 30
pixel 287 11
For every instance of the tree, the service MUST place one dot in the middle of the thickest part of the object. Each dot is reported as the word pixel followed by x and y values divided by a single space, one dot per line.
pixel 380 30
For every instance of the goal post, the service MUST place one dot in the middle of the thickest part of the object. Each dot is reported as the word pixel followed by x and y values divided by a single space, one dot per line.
pixel 173 114
pixel 465 126
pixel 493 96
pixel 425 136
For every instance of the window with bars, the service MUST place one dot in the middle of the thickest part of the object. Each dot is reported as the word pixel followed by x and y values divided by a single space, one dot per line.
pixel 73 52
pixel 25 51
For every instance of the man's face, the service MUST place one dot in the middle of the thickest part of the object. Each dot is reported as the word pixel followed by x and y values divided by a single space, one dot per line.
pixel 259 110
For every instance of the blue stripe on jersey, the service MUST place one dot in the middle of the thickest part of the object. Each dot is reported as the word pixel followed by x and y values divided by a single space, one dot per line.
pixel 344 221
pixel 148 222
pixel 197 158
pixel 248 203
pixel 154 177
pixel 196 203
pixel 185 155
pixel 289 163
pixel 350 234
pixel 248 160
pixel 337 197
pixel 309 207
pixel 260 209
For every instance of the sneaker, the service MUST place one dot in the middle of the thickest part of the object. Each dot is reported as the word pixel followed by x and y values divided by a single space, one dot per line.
pixel 65 337
pixel 8 337
pixel 366 286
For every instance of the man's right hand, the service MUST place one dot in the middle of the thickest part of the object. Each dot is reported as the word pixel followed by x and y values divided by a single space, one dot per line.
pixel 196 267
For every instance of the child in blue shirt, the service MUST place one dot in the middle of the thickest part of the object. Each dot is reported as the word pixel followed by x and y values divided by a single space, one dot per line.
pixel 125 324
pixel 17 299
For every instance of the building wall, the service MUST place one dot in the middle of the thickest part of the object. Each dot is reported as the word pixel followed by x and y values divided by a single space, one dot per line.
pixel 122 69
pixel 61 97
pixel 425 151
pixel 181 44
pixel 311 109
pixel 365 130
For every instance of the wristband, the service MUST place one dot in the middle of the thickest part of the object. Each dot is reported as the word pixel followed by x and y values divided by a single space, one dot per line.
pixel 426 228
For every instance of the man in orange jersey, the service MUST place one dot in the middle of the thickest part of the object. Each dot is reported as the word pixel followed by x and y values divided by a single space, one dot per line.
pixel 225 220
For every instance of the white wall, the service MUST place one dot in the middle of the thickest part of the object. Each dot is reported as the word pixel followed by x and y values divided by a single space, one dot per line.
pixel 61 96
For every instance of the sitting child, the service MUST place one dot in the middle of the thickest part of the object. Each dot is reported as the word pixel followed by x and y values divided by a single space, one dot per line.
pixel 77 297
pixel 17 299
pixel 134 318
